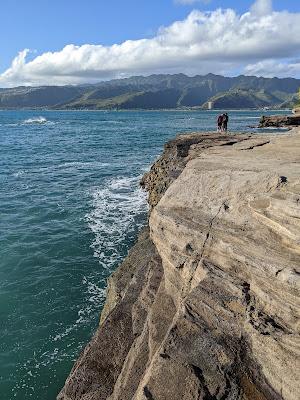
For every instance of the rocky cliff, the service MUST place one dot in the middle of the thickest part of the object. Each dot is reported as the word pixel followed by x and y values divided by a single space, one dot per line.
pixel 206 304
pixel 278 121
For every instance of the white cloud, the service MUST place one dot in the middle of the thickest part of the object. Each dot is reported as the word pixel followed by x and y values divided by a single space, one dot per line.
pixel 262 7
pixel 220 41
pixel 272 68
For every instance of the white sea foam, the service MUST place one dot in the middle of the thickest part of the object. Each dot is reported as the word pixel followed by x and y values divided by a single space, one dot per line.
pixel 115 207
pixel 18 174
pixel 37 120
pixel 94 297
pixel 31 368
pixel 146 168
pixel 80 164
pixel 15 124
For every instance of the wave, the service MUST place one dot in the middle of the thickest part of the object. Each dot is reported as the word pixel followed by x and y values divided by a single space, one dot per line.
pixel 18 174
pixel 116 208
pixel 48 359
pixel 37 120
pixel 86 164
pixel 95 297
pixel 244 117
pixel 112 218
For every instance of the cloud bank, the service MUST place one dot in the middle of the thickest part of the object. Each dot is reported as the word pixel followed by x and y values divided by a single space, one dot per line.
pixel 260 41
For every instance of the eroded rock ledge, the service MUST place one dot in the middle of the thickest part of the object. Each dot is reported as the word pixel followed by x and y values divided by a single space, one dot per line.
pixel 278 121
pixel 206 306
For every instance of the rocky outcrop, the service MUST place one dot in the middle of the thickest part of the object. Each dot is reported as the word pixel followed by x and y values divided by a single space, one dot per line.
pixel 278 121
pixel 206 305
pixel 176 155
pixel 296 110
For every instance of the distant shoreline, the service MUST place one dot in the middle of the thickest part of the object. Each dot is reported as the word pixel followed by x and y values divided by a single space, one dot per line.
pixel 149 110
pixel 176 92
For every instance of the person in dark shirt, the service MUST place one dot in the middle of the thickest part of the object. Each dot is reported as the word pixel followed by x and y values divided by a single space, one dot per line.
pixel 220 123
pixel 225 122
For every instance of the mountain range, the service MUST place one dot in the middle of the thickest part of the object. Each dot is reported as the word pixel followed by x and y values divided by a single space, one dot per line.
pixel 158 92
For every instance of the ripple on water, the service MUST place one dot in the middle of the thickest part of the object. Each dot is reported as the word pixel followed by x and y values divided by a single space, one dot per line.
pixel 69 191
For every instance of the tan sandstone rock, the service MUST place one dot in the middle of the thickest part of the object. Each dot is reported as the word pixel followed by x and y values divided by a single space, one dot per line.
pixel 211 310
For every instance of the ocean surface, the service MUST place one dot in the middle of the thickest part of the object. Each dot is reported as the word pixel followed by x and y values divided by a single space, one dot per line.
pixel 70 209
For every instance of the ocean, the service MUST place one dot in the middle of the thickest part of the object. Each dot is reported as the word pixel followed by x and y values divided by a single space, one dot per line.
pixel 70 209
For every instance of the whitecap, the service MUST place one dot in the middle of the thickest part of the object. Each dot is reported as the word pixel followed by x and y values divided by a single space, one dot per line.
pixel 37 120
pixel 18 174
pixel 81 164
pixel 12 124
pixel 115 208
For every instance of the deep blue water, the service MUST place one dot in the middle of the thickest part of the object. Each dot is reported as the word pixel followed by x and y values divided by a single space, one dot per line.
pixel 70 208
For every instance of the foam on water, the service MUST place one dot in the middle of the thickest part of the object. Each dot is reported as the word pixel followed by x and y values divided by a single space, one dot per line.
pixel 78 164
pixel 32 368
pixel 72 210
pixel 19 173
pixel 116 207
pixel 38 120
pixel 94 297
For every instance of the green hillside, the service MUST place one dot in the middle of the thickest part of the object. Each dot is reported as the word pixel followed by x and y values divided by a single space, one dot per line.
pixel 43 96
pixel 241 98
pixel 158 92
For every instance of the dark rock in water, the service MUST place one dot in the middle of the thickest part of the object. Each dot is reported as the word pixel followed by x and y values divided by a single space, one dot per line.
pixel 206 305
pixel 278 121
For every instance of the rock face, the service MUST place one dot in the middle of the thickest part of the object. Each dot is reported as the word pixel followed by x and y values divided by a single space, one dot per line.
pixel 206 306
pixel 278 121
pixel 296 110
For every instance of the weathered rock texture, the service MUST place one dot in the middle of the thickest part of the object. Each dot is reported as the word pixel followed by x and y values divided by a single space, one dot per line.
pixel 278 121
pixel 206 307
pixel 296 110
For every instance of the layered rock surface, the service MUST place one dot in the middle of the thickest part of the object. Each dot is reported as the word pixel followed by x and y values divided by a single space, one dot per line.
pixel 278 121
pixel 206 306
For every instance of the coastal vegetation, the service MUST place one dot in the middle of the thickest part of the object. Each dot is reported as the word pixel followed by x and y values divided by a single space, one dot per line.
pixel 158 92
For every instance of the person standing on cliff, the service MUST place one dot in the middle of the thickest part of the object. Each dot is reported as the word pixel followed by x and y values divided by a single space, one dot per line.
pixel 220 122
pixel 225 120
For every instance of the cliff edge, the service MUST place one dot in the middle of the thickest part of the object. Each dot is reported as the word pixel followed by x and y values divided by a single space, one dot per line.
pixel 280 121
pixel 206 304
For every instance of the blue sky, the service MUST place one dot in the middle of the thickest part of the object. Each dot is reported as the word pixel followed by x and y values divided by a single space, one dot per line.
pixel 50 25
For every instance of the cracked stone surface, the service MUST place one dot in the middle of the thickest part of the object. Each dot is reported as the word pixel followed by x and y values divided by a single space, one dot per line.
pixel 206 306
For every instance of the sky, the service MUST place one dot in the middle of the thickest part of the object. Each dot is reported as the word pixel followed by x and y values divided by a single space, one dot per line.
pixel 76 41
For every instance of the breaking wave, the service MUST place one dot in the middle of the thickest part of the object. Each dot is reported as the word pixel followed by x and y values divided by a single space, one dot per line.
pixel 38 120
pixel 118 212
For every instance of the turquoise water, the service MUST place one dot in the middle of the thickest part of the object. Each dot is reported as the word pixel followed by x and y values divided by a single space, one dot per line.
pixel 70 208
